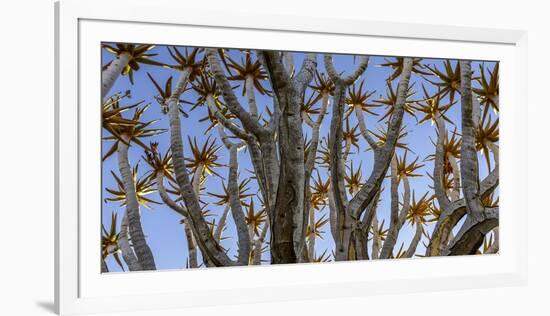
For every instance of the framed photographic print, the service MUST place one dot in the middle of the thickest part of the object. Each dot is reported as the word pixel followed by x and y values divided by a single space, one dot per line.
pixel 218 158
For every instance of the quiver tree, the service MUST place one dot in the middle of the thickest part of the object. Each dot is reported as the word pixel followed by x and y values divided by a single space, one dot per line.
pixel 286 144
pixel 126 132
pixel 127 59
pixel 480 219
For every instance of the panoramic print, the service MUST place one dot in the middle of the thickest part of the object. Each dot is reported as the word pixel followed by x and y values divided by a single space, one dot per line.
pixel 217 157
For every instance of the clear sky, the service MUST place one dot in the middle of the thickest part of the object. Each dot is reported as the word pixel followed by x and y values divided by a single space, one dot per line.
pixel 165 235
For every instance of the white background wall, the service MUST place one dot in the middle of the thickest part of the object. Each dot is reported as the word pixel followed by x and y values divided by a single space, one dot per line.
pixel 26 154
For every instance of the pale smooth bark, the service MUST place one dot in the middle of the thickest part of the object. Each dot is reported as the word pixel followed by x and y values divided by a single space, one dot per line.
pixel 479 220
pixel 332 214
pixel 260 139
pixel 495 150
pixel 110 75
pixel 223 121
pixel 470 236
pixel 337 173
pixel 346 212
pixel 452 214
pixel 376 242
pixel 191 244
pixel 244 241
pixel 344 221
pixel 289 62
pixel 369 220
pixel 495 246
pixel 311 237
pixel 249 122
pixel 288 215
pixel 414 242
pixel 447 219
pixel 383 154
pixel 197 178
pixel 166 198
pixel 221 224
pixel 124 244
pixel 210 249
pixel 440 192
pixel 309 166
pixel 245 238
pixel 351 78
pixel 258 244
pixel 141 248
pixel 406 201
pixel 476 111
pixel 391 238
pixel 251 97
pixel 455 192
pixel 468 153
pixel 310 161
pixel 363 127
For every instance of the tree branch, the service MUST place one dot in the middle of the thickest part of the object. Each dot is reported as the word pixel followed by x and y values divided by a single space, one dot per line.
pixel 124 243
pixel 391 238
pixel 236 208
pixel 414 242
pixel 249 122
pixel 383 155
pixel 440 194
pixel 209 247
pixel 468 153
pixel 335 77
pixel 450 216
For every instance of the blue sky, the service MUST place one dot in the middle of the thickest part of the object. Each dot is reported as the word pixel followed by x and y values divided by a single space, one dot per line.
pixel 162 227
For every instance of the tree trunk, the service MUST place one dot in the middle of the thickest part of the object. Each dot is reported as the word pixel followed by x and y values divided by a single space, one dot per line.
pixel 191 244
pixel 244 240
pixel 391 238
pixel 289 216
pixel 455 193
pixel 110 75
pixel 206 242
pixel 221 224
pixel 124 243
pixel 311 237
pixel 383 154
pixel 375 239
pixel 141 248
pixel 414 242
pixel 249 84
pixel 495 246
pixel 480 220
pixel 468 153
pixel 104 268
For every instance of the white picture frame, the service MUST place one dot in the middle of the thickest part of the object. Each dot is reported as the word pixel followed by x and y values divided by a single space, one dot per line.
pixel 80 288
